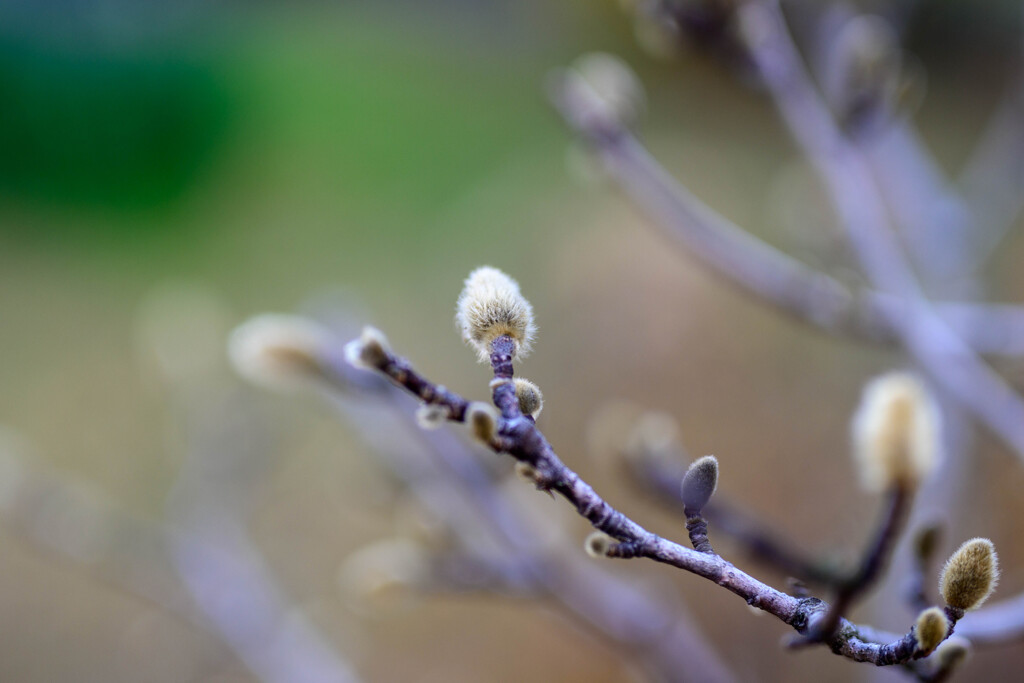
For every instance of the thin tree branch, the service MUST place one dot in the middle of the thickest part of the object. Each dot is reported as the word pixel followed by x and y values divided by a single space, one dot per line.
pixel 751 264
pixel 946 357
pixel 874 561
pixel 445 475
pixel 993 179
pixel 519 437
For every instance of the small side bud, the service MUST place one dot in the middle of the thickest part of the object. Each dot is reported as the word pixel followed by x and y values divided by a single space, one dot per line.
pixel 370 351
pixel 531 400
pixel 483 421
pixel 281 352
pixel 700 482
pixel 526 472
pixel 896 433
pixel 970 574
pixel 931 629
pixel 491 306
pixel 431 415
pixel 598 544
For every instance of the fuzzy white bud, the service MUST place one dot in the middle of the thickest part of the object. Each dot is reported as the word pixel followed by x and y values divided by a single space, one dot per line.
pixel 491 306
pixel 896 432
pixel 369 351
pixel 281 352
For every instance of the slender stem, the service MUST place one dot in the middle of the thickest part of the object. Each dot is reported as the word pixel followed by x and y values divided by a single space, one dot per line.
pixel 697 526
pixel 875 558
pixel 755 538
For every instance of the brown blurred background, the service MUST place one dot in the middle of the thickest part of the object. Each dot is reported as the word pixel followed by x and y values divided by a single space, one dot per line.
pixel 168 170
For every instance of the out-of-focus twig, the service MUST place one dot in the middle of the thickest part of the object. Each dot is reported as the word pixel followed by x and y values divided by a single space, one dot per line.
pixel 444 473
pixel 223 571
pixel 753 265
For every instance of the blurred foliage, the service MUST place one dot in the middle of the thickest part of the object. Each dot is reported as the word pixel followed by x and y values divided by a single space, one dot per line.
pixel 86 126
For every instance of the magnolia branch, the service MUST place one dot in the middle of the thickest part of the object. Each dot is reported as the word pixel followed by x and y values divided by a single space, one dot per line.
pixel 518 436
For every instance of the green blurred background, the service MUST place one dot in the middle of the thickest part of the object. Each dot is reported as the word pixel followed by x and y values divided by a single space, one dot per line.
pixel 265 152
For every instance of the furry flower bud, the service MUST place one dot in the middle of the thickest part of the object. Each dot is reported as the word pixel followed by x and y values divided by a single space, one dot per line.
pixel 970 574
pixel 491 306
pixel 531 400
pixel 700 482
pixel 281 352
pixel 896 432
pixel 931 629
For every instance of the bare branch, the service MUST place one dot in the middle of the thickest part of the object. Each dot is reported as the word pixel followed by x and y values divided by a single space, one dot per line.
pixel 519 437
pixel 754 266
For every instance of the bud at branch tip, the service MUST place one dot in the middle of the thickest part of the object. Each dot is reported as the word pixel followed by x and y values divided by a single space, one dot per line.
pixel 491 306
pixel 700 482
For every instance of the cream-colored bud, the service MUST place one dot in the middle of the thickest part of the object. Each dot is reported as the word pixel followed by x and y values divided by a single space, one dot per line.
pixel 615 89
pixel 700 482
pixel 970 574
pixel 598 544
pixel 896 432
pixel 281 352
pixel 482 419
pixel 431 415
pixel 491 306
pixel 931 629
pixel 531 400
pixel 370 351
